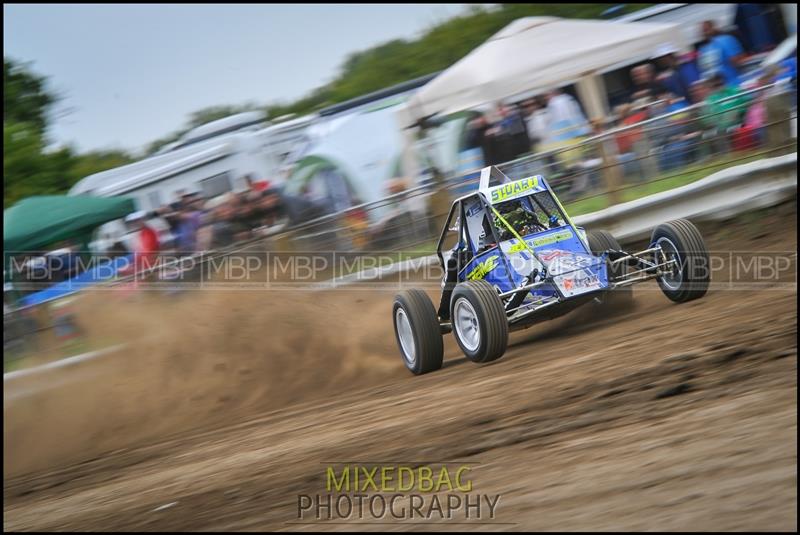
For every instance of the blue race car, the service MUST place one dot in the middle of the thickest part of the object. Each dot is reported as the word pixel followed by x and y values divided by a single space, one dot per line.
pixel 512 257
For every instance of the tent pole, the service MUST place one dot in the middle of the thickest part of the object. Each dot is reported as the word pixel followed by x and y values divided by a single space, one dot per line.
pixel 591 91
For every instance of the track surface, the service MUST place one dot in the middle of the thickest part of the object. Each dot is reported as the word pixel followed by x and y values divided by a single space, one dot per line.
pixel 667 417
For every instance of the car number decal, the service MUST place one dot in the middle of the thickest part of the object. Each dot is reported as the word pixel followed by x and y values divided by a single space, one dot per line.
pixel 513 189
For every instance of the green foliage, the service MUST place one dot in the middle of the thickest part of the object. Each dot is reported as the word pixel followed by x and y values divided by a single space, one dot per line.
pixel 89 163
pixel 439 47
pixel 24 97
pixel 29 168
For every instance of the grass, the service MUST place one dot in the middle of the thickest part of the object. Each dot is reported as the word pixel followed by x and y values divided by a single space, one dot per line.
pixel 630 192
pixel 27 358
pixel 663 182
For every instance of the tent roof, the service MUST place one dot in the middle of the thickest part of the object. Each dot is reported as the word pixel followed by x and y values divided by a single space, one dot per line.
pixel 537 53
pixel 42 220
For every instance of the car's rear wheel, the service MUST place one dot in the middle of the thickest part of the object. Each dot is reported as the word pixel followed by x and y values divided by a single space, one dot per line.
pixel 690 275
pixel 601 241
pixel 417 331
pixel 480 324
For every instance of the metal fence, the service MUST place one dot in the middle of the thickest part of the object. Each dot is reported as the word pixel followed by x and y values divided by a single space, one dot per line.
pixel 663 151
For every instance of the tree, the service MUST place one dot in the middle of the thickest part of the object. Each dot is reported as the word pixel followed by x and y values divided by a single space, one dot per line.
pixel 399 60
pixel 25 99
pixel 28 167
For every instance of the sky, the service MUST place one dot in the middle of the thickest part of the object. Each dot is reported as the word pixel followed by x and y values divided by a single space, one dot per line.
pixel 129 74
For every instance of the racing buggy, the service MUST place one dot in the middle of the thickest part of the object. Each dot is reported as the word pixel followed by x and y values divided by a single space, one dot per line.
pixel 512 257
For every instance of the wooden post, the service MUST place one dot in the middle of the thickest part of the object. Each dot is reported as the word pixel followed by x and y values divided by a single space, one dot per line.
pixel 438 203
pixel 611 173
pixel 779 128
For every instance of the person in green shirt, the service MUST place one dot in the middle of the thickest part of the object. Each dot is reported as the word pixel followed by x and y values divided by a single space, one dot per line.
pixel 724 110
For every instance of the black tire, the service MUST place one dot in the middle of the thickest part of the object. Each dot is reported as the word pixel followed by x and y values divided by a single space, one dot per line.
pixel 601 241
pixel 682 239
pixel 490 319
pixel 428 347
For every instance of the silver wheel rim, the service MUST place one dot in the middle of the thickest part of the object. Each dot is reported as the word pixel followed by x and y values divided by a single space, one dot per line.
pixel 406 336
pixel 672 280
pixel 466 324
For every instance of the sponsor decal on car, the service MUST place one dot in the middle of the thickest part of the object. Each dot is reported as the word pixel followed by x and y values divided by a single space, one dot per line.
pixel 573 273
pixel 544 240
pixel 483 268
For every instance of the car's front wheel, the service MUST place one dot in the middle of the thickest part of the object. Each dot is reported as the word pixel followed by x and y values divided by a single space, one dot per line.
pixel 417 331
pixel 689 274
pixel 480 324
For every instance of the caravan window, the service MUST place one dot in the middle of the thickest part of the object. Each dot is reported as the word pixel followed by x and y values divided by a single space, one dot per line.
pixel 154 198
pixel 216 185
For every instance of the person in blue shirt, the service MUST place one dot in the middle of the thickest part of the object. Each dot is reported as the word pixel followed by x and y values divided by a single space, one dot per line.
pixel 678 72
pixel 189 222
pixel 720 54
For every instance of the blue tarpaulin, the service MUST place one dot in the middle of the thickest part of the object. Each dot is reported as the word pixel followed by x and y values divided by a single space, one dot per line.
pixel 95 275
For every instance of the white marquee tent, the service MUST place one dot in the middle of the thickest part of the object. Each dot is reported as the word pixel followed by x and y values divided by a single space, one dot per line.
pixel 537 53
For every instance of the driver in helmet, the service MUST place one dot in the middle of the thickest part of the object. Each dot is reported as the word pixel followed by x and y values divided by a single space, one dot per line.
pixel 519 217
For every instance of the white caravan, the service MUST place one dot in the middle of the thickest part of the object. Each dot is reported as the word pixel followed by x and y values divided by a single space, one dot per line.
pixel 211 159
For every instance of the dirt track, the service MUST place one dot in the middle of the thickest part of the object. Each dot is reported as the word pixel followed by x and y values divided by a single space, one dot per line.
pixel 668 417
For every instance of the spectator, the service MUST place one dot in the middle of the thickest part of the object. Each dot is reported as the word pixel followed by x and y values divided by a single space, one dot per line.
pixel 205 232
pixel 698 92
pixel 171 213
pixel 497 135
pixel 629 115
pixel 670 135
pixel 720 54
pixel 724 110
pixel 249 213
pixel 514 132
pixel 256 185
pixel 189 218
pixel 236 226
pixel 751 133
pixel 477 138
pixel 567 124
pixel 628 139
pixel 221 234
pixel 567 121
pixel 146 244
pixel 644 82
pixel 722 113
pixel 538 123
pixel 273 213
pixel 678 72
